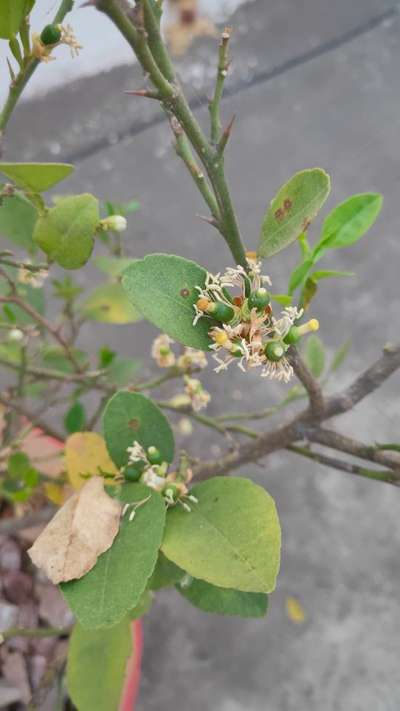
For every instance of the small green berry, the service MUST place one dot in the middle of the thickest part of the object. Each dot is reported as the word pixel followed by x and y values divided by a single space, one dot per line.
pixel 154 455
pixel 220 311
pixel 292 336
pixel 274 350
pixel 133 472
pixel 50 35
pixel 259 299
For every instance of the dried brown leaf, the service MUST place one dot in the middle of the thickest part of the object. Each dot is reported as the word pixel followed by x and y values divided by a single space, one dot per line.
pixel 80 531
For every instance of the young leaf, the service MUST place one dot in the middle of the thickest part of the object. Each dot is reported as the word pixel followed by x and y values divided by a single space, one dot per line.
pixel 86 455
pixel 80 531
pixel 282 299
pixel 36 177
pixel 231 538
pixel 109 304
pixel 315 355
pixel 130 417
pixel 222 601
pixel 329 274
pixel 66 232
pixel 75 419
pixel 17 220
pixel 116 583
pixel 122 370
pixel 11 14
pixel 96 666
pixel 299 275
pixel 165 574
pixel 349 221
pixel 163 288
pixel 292 210
pixel 340 356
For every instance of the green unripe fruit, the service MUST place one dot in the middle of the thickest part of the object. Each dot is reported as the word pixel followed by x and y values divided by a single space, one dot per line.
pixel 133 472
pixel 154 455
pixel 237 351
pixel 274 351
pixel 50 35
pixel 220 311
pixel 259 299
pixel 292 336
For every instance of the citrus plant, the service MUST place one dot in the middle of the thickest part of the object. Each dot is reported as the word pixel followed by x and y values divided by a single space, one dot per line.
pixel 129 514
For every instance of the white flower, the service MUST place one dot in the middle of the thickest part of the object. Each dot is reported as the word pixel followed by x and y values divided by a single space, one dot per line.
pixel 191 358
pixel 136 453
pixel 152 479
pixel 161 351
pixel 34 279
pixel 199 397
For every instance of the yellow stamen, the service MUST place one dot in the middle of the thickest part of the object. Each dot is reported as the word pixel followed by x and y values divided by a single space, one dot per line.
pixel 202 304
pixel 308 327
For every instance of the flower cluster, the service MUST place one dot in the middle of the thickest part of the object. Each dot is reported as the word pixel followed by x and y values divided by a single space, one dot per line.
pixel 165 357
pixel 148 467
pixel 243 326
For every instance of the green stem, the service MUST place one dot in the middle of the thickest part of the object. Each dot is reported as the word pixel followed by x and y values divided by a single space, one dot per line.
pixel 174 102
pixel 25 74
pixel 215 104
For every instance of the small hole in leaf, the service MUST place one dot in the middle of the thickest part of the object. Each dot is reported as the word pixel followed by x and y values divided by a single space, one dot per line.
pixel 185 292
pixel 134 424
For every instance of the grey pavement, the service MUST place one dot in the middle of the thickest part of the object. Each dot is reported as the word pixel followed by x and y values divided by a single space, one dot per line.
pixel 338 108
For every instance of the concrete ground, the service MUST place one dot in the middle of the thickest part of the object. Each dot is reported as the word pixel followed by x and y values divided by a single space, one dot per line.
pixel 313 83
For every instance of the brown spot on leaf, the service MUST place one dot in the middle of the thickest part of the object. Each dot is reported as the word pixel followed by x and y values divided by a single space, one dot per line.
pixel 306 224
pixel 287 204
pixel 185 292
pixel 279 214
pixel 134 424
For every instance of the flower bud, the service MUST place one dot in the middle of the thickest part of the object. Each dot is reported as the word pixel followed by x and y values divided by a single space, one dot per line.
pixel 259 299
pixel 15 334
pixel 116 223
pixel 171 492
pixel 51 35
pixel 274 350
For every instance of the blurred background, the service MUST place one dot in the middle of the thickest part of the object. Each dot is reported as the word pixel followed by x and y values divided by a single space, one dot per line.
pixel 313 82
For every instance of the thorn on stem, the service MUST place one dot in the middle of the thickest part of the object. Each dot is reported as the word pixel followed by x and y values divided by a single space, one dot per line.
pixel 146 93
pixel 210 220
pixel 226 135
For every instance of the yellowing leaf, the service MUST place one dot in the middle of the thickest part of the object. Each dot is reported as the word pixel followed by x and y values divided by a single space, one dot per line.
pixel 80 531
pixel 55 493
pixel 86 454
pixel 295 611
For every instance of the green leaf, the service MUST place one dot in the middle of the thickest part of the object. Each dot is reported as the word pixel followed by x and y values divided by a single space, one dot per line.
pixel 165 574
pixel 96 666
pixel 389 446
pixel 349 221
pixel 231 538
pixel 75 419
pixel 329 274
pixel 36 177
pixel 130 417
pixel 17 220
pixel 292 210
pixel 282 299
pixel 222 601
pixel 299 275
pixel 309 290
pixel 11 15
pixel 116 583
pixel 66 232
pixel 163 288
pixel 109 303
pixel 315 355
pixel 114 266
pixel 340 355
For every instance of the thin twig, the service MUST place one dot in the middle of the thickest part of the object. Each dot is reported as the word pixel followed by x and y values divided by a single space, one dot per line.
pixel 310 383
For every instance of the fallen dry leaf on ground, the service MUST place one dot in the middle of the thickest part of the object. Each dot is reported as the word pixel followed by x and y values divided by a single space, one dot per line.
pixel 80 531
